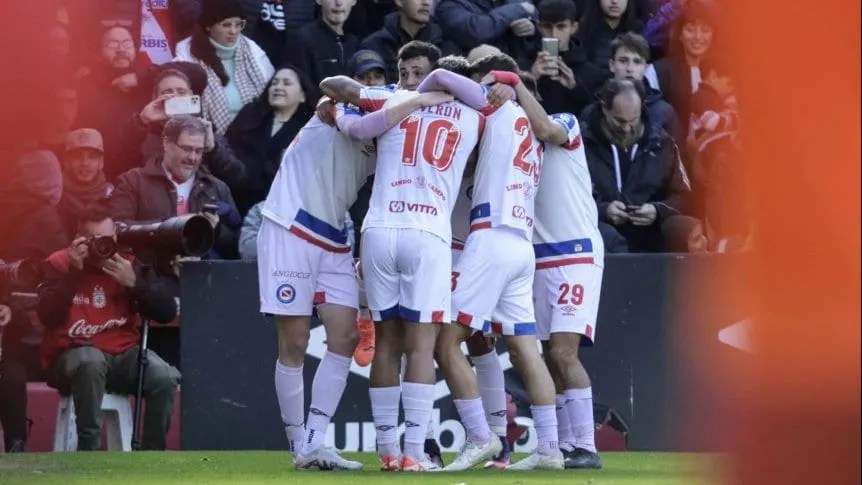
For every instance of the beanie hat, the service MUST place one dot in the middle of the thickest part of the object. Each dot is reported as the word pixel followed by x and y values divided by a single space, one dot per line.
pixel 214 11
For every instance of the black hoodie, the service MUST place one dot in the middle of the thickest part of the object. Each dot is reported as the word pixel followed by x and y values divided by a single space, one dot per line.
pixel 391 37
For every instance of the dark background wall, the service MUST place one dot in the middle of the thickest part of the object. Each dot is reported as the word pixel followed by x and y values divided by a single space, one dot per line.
pixel 651 306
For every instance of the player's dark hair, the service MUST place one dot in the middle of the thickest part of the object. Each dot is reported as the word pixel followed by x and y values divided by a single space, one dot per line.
pixel 493 62
pixel 417 48
pixel 456 64
pixel 557 11
pixel 632 42
pixel 615 87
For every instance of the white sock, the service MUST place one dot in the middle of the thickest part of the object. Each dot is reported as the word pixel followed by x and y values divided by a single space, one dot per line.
pixel 384 410
pixel 545 422
pixel 418 401
pixel 326 391
pixel 473 418
pixel 429 435
pixel 291 401
pixel 492 388
pixel 579 406
pixel 564 428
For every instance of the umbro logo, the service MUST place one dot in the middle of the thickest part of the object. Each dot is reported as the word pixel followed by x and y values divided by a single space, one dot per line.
pixel 317 412
pixel 384 427
pixel 499 414
pixel 410 424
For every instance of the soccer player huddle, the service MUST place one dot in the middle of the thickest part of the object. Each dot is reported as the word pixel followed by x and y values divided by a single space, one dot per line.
pixel 481 225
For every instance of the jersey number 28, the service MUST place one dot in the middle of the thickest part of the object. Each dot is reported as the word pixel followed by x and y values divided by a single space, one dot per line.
pixel 438 139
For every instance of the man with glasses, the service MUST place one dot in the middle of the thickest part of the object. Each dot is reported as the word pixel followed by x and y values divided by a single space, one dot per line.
pixel 177 183
pixel 110 94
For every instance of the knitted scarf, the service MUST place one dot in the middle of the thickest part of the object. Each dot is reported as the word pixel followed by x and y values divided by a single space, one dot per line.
pixel 249 81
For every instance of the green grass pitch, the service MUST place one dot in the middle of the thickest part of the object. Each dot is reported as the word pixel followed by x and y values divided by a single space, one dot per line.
pixel 255 467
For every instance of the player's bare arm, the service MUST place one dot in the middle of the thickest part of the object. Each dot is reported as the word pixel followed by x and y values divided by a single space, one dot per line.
pixel 543 128
pixel 342 89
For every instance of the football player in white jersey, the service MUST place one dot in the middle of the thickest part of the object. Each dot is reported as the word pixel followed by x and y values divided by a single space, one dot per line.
pixel 304 261
pixel 493 290
pixel 406 260
pixel 569 266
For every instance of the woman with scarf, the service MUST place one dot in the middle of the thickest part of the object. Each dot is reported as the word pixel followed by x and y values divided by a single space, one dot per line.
pixel 237 68
pixel 84 179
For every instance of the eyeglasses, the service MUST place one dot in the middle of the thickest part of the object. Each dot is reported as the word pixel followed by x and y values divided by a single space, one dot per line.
pixel 115 44
pixel 239 24
pixel 189 150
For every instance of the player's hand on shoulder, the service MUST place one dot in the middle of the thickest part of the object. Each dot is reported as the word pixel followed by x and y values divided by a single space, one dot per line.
pixel 326 111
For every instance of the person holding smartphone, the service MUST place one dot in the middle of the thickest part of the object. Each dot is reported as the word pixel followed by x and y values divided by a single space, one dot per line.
pixel 566 79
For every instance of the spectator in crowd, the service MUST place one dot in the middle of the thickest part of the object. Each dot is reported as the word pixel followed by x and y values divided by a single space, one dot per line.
pixel 156 25
pixel 412 21
pixel 270 21
pixel 321 49
pixel 629 60
pixel 601 23
pixel 658 25
pixel 89 310
pixel 63 118
pixel 84 181
pixel 567 82
pixel 264 128
pixel 718 177
pixel 13 391
pixel 237 68
pixel 177 183
pixel 144 130
pixel 688 61
pixel 638 178
pixel 105 100
pixel 29 194
pixel 506 24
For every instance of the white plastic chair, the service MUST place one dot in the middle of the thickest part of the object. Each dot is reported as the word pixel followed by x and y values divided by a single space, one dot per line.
pixel 116 415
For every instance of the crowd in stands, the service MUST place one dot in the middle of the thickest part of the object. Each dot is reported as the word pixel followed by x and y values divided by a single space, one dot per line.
pixel 657 157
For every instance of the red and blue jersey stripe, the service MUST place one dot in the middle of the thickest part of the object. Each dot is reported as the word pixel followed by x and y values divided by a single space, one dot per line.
pixel 320 233
pixel 575 251
pixel 480 217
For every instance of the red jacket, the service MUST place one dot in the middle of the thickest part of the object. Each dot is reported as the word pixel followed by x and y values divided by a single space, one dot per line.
pixel 79 308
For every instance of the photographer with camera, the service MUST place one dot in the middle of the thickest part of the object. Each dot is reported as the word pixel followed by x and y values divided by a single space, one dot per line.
pixel 90 308
pixel 177 183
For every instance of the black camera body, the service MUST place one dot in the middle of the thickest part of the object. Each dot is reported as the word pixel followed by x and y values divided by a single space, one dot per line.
pixel 101 247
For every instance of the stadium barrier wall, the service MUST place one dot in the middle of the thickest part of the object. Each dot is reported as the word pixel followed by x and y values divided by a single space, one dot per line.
pixel 229 352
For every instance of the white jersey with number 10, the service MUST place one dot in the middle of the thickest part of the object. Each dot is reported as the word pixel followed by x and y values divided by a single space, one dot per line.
pixel 507 175
pixel 420 163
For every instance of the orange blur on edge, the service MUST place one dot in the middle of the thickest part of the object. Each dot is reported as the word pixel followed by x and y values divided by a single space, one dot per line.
pixel 797 72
